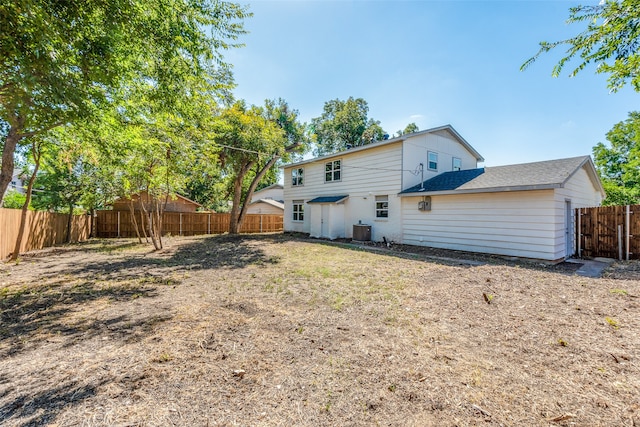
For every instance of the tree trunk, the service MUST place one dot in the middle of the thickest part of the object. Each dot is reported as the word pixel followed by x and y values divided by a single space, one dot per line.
pixel 150 220
pixel 70 223
pixel 25 207
pixel 10 144
pixel 92 230
pixel 252 187
pixel 234 226
pixel 158 220
pixel 134 221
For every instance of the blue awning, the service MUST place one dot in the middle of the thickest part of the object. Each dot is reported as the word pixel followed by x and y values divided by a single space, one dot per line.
pixel 329 199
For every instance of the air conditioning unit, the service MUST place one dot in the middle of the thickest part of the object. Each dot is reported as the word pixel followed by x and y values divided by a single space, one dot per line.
pixel 425 204
pixel 362 232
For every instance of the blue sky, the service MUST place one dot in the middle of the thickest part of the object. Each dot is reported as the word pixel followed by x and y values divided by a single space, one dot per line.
pixel 433 63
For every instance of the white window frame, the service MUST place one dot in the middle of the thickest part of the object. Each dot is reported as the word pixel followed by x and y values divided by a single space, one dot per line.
pixel 382 207
pixel 297 211
pixel 297 177
pixel 429 161
pixel 330 170
pixel 453 164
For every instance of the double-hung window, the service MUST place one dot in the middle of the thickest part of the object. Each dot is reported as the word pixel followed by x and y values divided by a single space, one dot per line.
pixel 382 206
pixel 298 210
pixel 332 171
pixel 432 161
pixel 457 164
pixel 297 177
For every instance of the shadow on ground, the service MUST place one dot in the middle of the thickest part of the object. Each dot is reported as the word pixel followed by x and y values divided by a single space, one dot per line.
pixel 45 311
pixel 214 252
pixel 42 408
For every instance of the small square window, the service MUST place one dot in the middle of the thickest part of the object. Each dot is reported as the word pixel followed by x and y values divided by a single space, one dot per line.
pixel 297 177
pixel 382 206
pixel 433 161
pixel 298 210
pixel 457 164
pixel 332 171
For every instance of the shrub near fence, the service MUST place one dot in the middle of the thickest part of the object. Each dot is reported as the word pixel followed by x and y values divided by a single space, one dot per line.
pixel 43 229
pixel 119 223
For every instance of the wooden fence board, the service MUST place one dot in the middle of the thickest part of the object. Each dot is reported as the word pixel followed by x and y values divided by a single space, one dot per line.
pixel 42 229
pixel 119 224
pixel 603 231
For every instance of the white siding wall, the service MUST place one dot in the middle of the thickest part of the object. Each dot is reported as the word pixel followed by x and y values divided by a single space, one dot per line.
pixel 264 208
pixel 416 149
pixel 271 193
pixel 581 192
pixel 519 223
pixel 365 174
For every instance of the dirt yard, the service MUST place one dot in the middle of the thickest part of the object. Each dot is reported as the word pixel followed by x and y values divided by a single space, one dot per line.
pixel 282 331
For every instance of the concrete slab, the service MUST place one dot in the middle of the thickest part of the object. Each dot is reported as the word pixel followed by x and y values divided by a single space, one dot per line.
pixel 593 267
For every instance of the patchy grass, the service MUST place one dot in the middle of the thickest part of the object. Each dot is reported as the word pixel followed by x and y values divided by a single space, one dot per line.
pixel 273 330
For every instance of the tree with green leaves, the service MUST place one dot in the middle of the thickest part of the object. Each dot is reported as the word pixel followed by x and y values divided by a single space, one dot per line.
pixel 14 199
pixel 610 40
pixel 252 140
pixel 60 61
pixel 618 162
pixel 343 125
pixel 410 128
pixel 69 174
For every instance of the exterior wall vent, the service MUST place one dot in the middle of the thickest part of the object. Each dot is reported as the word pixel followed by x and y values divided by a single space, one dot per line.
pixel 425 204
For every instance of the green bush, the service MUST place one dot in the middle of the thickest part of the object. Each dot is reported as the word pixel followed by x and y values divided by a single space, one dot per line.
pixel 14 200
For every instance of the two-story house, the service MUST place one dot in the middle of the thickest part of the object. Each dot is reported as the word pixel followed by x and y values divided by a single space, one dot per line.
pixel 425 188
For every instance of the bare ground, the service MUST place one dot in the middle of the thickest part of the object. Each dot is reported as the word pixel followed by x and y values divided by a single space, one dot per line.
pixel 278 330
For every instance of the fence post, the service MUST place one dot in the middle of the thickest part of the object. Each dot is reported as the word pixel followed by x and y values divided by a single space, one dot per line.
pixel 579 233
pixel 208 223
pixel 118 224
pixel 180 232
pixel 620 242
pixel 261 223
pixel 627 225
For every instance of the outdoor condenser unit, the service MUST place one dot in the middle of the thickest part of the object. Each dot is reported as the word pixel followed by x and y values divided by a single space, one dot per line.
pixel 362 232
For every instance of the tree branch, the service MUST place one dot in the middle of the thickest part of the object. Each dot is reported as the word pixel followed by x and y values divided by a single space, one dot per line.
pixel 35 132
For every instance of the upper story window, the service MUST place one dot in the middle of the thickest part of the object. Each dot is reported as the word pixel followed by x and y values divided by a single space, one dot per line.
pixel 297 177
pixel 432 161
pixel 457 164
pixel 332 171
pixel 382 206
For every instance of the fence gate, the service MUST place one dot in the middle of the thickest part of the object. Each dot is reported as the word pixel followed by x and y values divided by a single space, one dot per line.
pixel 609 231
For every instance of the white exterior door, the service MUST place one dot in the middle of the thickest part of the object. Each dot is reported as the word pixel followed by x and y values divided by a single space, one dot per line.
pixel 568 229
pixel 324 221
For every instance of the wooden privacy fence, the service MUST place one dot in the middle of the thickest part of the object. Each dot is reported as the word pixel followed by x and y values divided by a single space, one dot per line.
pixel 120 224
pixel 43 229
pixel 609 231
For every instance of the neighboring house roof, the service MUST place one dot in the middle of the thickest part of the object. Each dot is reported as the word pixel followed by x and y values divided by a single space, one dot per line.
pixel 189 200
pixel 527 176
pixel 271 187
pixel 375 144
pixel 136 195
pixel 329 199
pixel 271 202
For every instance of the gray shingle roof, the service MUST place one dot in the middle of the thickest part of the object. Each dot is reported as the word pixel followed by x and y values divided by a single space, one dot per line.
pixel 446 181
pixel 526 176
